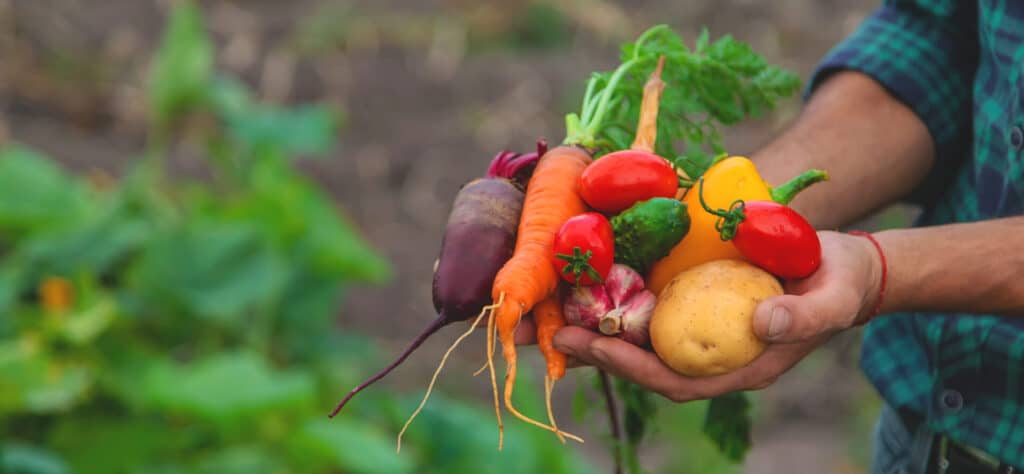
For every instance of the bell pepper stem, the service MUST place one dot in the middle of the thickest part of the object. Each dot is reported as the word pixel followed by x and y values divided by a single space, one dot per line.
pixel 785 192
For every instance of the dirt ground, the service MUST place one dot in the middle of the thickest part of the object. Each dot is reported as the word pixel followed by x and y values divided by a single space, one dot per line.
pixel 426 109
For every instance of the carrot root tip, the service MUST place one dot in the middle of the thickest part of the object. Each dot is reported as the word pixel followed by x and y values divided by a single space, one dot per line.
pixel 437 372
pixel 549 385
pixel 510 377
pixel 492 329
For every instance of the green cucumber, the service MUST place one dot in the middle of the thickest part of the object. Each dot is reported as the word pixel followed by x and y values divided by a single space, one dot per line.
pixel 647 231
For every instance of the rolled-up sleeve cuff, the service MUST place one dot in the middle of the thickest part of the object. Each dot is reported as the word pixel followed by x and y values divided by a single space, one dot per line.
pixel 925 61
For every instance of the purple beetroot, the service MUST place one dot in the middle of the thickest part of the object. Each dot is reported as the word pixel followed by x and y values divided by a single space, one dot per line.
pixel 479 238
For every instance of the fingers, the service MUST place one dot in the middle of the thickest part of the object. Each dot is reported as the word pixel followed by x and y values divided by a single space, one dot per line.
pixel 574 342
pixel 526 335
pixel 566 343
pixel 795 318
pixel 757 375
pixel 621 359
pixel 773 362
pixel 632 363
pixel 644 368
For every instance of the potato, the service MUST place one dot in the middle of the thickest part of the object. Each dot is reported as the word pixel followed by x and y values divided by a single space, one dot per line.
pixel 703 322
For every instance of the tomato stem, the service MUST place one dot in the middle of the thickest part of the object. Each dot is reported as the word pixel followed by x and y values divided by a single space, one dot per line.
pixel 579 263
pixel 728 221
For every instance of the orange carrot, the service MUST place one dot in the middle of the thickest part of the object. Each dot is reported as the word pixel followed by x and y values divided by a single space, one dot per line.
pixel 548 317
pixel 529 277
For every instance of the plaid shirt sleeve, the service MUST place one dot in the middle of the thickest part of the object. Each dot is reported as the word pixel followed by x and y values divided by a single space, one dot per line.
pixel 926 57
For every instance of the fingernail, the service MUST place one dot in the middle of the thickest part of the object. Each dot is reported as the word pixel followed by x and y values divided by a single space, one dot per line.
pixel 779 322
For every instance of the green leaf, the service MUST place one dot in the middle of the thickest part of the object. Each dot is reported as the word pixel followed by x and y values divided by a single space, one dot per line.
pixel 94 245
pixel 728 425
pixel 83 326
pixel 736 56
pixel 306 129
pixel 11 282
pixel 702 41
pixel 717 84
pixel 35 193
pixel 240 460
pixel 351 446
pixel 128 361
pixel 31 381
pixel 182 66
pixel 639 413
pixel 20 458
pixel 165 467
pixel 101 444
pixel 306 223
pixel 263 130
pixel 229 97
pixel 679 428
pixel 215 270
pixel 306 324
pixel 225 387
pixel 694 163
pixel 474 448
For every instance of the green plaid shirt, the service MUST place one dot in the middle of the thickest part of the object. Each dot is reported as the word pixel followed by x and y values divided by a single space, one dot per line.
pixel 958 65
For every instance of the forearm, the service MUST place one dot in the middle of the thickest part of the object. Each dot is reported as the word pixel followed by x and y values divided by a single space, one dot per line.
pixel 970 267
pixel 874 148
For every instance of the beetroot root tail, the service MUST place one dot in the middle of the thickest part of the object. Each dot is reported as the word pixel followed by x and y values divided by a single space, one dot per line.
pixel 427 332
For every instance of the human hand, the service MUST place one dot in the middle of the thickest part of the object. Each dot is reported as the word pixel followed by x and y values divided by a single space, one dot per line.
pixel 841 292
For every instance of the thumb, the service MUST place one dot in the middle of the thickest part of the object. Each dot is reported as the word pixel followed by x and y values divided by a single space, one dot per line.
pixel 796 318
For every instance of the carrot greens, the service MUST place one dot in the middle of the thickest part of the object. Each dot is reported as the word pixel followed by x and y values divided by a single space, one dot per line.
pixel 711 85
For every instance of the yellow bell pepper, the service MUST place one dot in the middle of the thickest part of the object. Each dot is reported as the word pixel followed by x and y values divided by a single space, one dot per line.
pixel 730 179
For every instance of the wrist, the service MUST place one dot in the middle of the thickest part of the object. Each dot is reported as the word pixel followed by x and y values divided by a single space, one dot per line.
pixel 874 297
pixel 896 294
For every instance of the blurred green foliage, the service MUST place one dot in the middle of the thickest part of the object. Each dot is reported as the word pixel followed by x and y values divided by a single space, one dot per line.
pixel 158 325
pixel 537 26
pixel 473 27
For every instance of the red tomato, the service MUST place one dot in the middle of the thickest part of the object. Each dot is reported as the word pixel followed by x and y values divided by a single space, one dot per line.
pixel 584 249
pixel 616 181
pixel 778 239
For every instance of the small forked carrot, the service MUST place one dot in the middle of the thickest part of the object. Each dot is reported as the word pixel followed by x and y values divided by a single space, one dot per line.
pixel 528 278
pixel 548 317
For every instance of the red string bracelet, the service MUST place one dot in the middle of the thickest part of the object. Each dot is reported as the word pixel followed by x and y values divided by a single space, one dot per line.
pixel 885 275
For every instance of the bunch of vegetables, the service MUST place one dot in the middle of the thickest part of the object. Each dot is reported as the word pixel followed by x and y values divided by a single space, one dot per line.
pixel 615 232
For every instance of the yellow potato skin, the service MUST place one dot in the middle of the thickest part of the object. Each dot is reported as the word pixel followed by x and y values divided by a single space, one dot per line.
pixel 703 321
